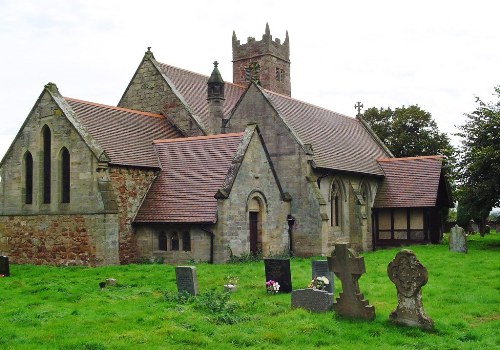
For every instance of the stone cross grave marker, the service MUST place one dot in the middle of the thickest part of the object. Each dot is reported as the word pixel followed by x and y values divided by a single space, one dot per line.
pixel 349 267
pixel 279 270
pixel 313 300
pixel 320 268
pixel 4 266
pixel 409 275
pixel 458 240
pixel 186 279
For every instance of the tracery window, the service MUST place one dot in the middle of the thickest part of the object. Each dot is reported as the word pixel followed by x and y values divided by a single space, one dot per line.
pixel 336 205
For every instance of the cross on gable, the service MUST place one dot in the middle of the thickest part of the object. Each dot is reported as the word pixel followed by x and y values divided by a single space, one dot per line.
pixel 347 267
pixel 358 106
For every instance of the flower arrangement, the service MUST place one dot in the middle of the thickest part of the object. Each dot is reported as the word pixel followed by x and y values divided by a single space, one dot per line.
pixel 1 275
pixel 232 280
pixel 272 287
pixel 319 282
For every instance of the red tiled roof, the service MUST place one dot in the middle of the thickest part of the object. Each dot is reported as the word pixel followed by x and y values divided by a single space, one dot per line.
pixel 193 169
pixel 409 182
pixel 193 88
pixel 339 142
pixel 125 135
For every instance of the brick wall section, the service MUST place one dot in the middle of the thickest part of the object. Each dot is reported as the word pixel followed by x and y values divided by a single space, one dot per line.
pixel 292 167
pixel 130 186
pixel 149 92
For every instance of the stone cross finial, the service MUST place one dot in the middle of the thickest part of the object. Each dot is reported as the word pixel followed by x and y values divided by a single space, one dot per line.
pixel 409 275
pixel 349 267
pixel 358 106
pixel 216 64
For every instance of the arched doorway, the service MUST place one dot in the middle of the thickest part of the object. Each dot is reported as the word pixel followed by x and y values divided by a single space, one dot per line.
pixel 255 225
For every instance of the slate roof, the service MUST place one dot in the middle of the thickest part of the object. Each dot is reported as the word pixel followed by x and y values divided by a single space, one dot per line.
pixel 193 170
pixel 409 182
pixel 125 135
pixel 193 87
pixel 339 142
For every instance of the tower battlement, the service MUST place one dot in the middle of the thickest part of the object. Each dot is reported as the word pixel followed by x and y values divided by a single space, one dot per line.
pixel 272 58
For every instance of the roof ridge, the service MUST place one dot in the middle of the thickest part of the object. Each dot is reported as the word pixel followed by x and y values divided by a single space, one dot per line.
pixel 148 114
pixel 199 74
pixel 409 158
pixel 309 104
pixel 194 138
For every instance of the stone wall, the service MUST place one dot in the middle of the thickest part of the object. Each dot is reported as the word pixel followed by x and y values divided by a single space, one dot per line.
pixel 149 92
pixel 292 167
pixel 130 186
pixel 254 180
pixel 148 243
pixel 270 55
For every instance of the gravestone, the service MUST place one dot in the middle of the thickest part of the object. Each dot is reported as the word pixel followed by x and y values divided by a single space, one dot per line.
pixel 457 240
pixel 409 275
pixel 348 267
pixel 314 300
pixel 279 270
pixel 473 226
pixel 320 268
pixel 4 266
pixel 186 279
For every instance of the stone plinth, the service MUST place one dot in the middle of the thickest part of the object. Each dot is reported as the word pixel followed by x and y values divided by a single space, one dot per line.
pixel 314 300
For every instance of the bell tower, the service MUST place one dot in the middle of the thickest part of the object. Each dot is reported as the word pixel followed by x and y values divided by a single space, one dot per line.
pixel 267 62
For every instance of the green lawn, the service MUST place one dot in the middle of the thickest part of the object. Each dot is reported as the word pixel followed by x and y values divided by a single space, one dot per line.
pixel 63 308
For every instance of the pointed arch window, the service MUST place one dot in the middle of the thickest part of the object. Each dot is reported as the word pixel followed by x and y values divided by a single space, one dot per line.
pixel 336 205
pixel 162 241
pixel 46 160
pixel 174 241
pixel 65 176
pixel 186 241
pixel 28 178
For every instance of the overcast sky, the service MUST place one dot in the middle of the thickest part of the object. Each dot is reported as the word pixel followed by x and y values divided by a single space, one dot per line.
pixel 437 54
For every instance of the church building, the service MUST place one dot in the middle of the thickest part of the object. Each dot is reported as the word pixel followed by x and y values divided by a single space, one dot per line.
pixel 190 167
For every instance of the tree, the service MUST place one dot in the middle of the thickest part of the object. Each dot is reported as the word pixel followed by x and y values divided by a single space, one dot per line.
pixel 479 162
pixel 409 132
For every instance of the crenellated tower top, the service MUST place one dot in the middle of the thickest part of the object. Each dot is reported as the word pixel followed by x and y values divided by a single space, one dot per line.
pixel 266 61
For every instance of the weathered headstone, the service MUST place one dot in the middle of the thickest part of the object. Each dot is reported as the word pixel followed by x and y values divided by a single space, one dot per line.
pixel 279 270
pixel 409 275
pixel 457 240
pixel 4 266
pixel 320 268
pixel 186 279
pixel 312 299
pixel 473 226
pixel 348 267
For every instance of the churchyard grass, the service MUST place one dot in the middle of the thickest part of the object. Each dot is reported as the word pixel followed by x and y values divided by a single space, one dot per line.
pixel 45 307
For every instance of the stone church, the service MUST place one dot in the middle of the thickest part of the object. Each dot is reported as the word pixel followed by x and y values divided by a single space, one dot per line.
pixel 190 167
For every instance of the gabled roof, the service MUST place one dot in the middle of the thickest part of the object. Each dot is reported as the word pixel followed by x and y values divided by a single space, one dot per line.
pixel 338 142
pixel 193 170
pixel 125 135
pixel 193 88
pixel 409 182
